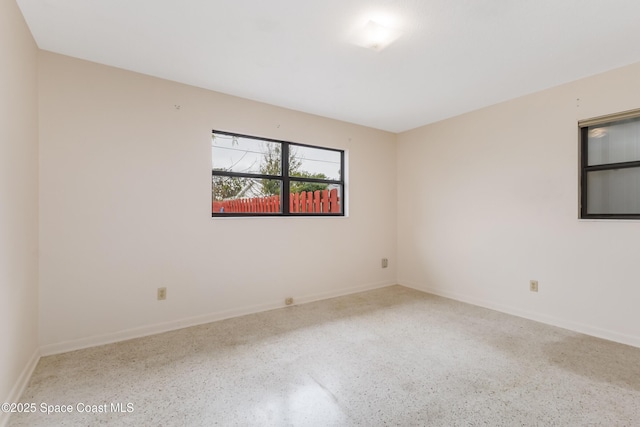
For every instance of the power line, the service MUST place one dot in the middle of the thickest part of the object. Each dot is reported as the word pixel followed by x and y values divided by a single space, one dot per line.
pixel 262 153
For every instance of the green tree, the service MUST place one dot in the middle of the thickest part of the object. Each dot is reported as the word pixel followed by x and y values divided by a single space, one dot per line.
pixel 299 186
pixel 226 187
pixel 272 165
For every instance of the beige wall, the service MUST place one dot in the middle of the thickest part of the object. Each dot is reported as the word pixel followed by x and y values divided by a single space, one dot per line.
pixel 18 203
pixel 489 200
pixel 126 198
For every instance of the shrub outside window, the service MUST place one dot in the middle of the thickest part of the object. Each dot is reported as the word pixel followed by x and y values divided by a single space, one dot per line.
pixel 610 166
pixel 254 176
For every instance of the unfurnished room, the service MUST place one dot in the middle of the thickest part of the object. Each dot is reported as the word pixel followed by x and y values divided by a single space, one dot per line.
pixel 306 213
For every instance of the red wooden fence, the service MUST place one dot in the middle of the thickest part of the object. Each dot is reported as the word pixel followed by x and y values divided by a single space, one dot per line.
pixel 319 201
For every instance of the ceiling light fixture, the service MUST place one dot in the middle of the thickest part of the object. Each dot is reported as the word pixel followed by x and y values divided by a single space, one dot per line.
pixel 376 36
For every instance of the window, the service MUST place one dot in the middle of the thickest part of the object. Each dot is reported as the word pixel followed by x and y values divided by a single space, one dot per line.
pixel 610 166
pixel 254 176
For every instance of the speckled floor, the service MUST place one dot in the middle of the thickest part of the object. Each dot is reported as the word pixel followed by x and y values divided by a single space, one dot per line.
pixel 393 356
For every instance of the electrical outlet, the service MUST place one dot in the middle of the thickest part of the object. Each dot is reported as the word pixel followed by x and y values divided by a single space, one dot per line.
pixel 385 262
pixel 288 301
pixel 162 294
pixel 533 285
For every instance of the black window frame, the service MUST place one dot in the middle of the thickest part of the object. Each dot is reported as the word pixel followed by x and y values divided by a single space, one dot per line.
pixel 585 169
pixel 285 180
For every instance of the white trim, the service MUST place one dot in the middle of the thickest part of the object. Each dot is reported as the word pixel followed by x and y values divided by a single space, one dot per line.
pixel 127 334
pixel 16 392
pixel 538 317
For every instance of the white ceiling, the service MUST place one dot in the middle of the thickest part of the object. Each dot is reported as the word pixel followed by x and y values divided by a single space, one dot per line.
pixel 454 56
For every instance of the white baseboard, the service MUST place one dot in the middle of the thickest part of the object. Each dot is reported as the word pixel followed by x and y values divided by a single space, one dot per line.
pixel 538 317
pixel 66 346
pixel 342 292
pixel 63 347
pixel 16 392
